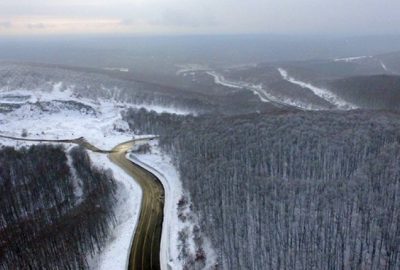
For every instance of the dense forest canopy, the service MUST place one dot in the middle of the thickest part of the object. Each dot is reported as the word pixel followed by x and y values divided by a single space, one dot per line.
pixel 306 190
pixel 53 215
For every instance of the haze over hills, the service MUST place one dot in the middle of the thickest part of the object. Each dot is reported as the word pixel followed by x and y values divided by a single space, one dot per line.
pixel 274 152
pixel 159 54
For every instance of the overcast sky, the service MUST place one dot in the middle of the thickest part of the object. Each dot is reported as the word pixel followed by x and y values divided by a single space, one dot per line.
pixel 200 16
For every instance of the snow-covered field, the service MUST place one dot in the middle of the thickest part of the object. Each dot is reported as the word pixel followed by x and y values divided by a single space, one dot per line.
pixel 100 122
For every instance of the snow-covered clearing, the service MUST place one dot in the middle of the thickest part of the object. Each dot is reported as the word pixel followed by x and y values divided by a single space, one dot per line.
pixel 322 93
pixel 102 126
pixel 62 122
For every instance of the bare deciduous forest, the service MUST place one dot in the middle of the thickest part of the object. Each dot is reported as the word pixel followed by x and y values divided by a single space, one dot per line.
pixel 306 190
pixel 52 216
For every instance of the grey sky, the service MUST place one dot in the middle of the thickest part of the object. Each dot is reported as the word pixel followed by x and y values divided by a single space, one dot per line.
pixel 205 16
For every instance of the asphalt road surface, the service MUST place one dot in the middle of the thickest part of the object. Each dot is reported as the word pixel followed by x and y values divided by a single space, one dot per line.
pixel 145 251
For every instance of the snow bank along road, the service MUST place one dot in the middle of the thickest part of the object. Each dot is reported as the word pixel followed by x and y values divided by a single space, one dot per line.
pixel 145 248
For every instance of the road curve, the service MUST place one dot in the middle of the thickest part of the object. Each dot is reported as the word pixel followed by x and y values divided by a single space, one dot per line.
pixel 145 248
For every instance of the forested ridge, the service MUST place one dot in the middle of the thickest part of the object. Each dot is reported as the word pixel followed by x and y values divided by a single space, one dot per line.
pixel 98 84
pixel 374 92
pixel 52 216
pixel 306 190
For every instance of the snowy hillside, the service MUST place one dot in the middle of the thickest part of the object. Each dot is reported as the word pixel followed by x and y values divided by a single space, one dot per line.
pixel 59 112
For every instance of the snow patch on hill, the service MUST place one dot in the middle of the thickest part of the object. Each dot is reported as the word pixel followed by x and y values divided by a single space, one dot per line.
pixel 219 79
pixel 188 68
pixel 262 93
pixel 117 69
pixel 322 93
pixel 350 59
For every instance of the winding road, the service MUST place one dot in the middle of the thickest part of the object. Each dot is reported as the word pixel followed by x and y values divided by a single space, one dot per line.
pixel 145 248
